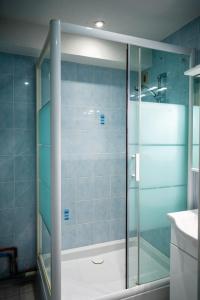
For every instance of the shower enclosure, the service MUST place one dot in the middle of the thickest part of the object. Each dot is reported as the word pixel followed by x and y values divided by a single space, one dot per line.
pixel 113 158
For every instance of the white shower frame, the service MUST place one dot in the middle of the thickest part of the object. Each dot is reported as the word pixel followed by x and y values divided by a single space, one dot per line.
pixel 53 43
pixel 53 40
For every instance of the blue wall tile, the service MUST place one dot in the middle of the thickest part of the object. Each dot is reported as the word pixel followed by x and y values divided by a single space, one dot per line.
pixel 68 191
pixel 25 167
pixel 7 240
pixel 101 187
pixel 6 115
pixel 6 168
pixel 24 66
pixel 6 142
pixel 101 210
pixel 101 232
pixel 85 188
pixel 117 207
pixel 92 152
pixel 24 88
pixel 26 249
pixel 17 157
pixel 6 87
pixel 118 186
pixel 69 71
pixel 6 224
pixel 6 63
pixel 187 36
pixel 84 234
pixel 117 229
pixel 7 195
pixel 24 115
pixel 69 237
pixel 24 222
pixel 85 211
pixel 24 142
pixel 85 73
pixel 28 264
pixel 24 193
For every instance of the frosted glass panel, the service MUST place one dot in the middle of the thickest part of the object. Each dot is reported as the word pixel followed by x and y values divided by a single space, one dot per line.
pixel 44 152
pixel 133 194
pixel 195 159
pixel 44 119
pixel 156 203
pixel 133 122
pixel 46 249
pixel 163 123
pixel 44 166
pixel 166 124
pixel 195 125
pixel 163 156
pixel 133 185
pixel 45 207
pixel 163 166
pixel 158 134
pixel 45 81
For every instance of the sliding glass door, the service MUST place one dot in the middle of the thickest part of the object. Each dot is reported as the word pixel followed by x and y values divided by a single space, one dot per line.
pixel 133 160
pixel 44 166
pixel 157 158
pixel 48 117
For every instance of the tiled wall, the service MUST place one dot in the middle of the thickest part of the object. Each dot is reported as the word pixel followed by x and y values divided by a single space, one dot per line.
pixel 17 158
pixel 189 36
pixel 174 65
pixel 93 154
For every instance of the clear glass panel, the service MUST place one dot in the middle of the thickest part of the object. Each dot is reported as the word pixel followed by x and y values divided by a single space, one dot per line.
pixel 163 156
pixel 93 91
pixel 157 130
pixel 46 250
pixel 133 184
pixel 195 160
pixel 44 172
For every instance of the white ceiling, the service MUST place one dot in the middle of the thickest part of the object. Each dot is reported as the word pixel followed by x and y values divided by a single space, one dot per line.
pixel 153 19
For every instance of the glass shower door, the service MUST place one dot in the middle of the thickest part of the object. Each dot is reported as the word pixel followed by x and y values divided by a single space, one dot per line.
pixel 48 115
pixel 44 167
pixel 159 104
pixel 133 160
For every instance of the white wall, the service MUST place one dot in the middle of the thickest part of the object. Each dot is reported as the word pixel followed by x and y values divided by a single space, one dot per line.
pixel 28 39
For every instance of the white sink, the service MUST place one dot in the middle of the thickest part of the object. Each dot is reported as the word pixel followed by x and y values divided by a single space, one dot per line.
pixel 183 255
pixel 184 233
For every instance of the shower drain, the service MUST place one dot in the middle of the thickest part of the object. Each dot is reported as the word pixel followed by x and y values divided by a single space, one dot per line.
pixel 97 260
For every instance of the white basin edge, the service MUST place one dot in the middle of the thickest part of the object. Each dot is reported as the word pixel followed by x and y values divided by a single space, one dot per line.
pixel 186 222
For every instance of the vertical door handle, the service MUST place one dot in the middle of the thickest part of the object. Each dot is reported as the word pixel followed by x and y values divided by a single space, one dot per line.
pixel 137 166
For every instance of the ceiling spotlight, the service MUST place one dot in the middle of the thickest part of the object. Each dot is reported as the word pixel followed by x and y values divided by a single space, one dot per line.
pixel 99 24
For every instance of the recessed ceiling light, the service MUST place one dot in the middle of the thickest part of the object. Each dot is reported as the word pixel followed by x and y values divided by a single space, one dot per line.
pixel 99 24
